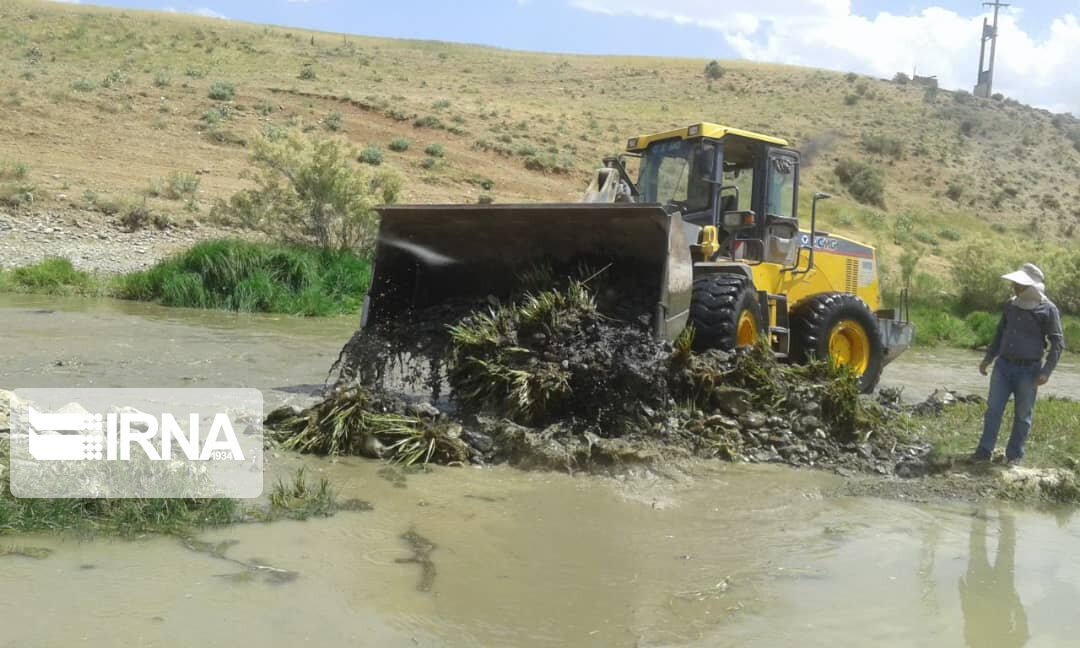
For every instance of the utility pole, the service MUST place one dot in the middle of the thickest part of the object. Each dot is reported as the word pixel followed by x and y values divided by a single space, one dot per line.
pixel 984 84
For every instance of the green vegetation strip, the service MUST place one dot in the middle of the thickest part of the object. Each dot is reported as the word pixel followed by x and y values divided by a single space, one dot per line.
pixel 1054 440
pixel 293 498
pixel 228 275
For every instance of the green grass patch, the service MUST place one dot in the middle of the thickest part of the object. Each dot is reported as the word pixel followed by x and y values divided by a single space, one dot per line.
pixel 1054 442
pixel 53 276
pixel 292 498
pixel 254 277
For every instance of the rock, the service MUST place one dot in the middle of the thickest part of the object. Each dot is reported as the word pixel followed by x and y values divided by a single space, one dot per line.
pixel 1044 481
pixel 281 414
pixel 423 409
pixel 752 420
pixel 478 440
pixel 731 400
pixel 372 447
pixel 719 420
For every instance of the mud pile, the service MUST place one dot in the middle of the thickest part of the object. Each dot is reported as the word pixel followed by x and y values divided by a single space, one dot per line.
pixel 556 379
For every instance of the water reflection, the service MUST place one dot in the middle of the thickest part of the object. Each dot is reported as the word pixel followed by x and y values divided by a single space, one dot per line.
pixel 993 613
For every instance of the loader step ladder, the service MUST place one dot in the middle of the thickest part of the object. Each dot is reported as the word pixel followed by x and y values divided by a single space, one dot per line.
pixel 780 334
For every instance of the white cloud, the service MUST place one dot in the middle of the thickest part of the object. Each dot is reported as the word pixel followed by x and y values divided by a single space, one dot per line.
pixel 208 13
pixel 936 41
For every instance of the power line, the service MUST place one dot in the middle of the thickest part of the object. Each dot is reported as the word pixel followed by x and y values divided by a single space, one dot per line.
pixel 984 83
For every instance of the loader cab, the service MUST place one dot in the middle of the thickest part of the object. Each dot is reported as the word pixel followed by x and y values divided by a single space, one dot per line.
pixel 742 185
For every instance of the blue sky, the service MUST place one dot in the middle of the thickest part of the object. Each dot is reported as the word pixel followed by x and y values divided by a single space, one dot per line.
pixel 871 36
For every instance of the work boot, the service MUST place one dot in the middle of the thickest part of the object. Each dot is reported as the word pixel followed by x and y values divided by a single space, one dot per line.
pixel 1011 463
pixel 979 457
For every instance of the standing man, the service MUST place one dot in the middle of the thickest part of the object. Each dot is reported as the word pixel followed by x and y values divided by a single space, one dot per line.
pixel 1029 325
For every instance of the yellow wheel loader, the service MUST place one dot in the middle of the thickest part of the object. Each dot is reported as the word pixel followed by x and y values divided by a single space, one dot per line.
pixel 709 230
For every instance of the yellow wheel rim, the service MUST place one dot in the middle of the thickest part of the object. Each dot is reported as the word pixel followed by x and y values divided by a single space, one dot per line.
pixel 746 335
pixel 849 346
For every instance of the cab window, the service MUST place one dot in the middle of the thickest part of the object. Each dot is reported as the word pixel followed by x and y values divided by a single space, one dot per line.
pixel 780 200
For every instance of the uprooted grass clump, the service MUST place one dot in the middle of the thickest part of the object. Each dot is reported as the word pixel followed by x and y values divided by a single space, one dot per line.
pixel 354 420
pixel 553 356
pixel 553 379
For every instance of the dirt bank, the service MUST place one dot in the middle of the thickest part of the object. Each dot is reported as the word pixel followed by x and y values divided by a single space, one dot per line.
pixel 94 242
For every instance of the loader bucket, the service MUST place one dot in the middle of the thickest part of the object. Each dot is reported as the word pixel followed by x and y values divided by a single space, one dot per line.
pixel 455 255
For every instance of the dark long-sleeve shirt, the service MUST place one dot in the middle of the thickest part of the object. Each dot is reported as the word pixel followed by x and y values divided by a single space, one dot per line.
pixel 1023 335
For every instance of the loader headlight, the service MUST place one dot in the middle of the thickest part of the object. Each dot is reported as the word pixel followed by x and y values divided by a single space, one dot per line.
pixel 631 144
pixel 693 131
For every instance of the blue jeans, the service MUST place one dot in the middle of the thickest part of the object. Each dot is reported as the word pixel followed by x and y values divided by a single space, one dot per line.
pixel 1018 381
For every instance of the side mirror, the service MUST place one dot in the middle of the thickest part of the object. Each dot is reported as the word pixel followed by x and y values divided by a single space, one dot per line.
pixel 739 220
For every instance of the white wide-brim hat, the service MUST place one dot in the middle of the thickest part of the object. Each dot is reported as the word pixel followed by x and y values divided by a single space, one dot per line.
pixel 1028 275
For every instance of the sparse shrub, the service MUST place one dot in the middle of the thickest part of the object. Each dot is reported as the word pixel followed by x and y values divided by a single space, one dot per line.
pixel 441 104
pixel 14 171
pixel 485 199
pixel 526 150
pixel 137 217
pixel 901 78
pixel 264 108
pixel 428 163
pixel 967 126
pixel 307 73
pixel 214 116
pixel 954 191
pixel 997 96
pixel 851 76
pixel 949 234
pixel 962 97
pixel 334 122
pixel 428 121
pixel 713 70
pixel 222 91
pixel 83 85
pixel 372 155
pixel 307 191
pixel 487 184
pixel 162 79
pixel 180 186
pixel 976 272
pixel 399 145
pixel 983 325
pixel 865 183
pixel 930 94
pixel 861 88
pixel 434 150
pixel 851 99
pixel 114 79
pixel 195 73
pixel 883 145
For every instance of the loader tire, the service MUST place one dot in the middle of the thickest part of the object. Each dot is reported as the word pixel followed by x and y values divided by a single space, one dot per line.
pixel 724 312
pixel 842 328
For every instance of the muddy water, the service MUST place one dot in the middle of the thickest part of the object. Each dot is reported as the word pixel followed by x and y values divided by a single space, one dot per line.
pixel 720 556
pixel 920 371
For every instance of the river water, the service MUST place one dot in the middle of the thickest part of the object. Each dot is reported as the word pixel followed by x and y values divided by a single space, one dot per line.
pixel 721 555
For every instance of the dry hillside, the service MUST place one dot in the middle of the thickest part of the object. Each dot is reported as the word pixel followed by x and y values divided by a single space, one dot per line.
pixel 100 106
